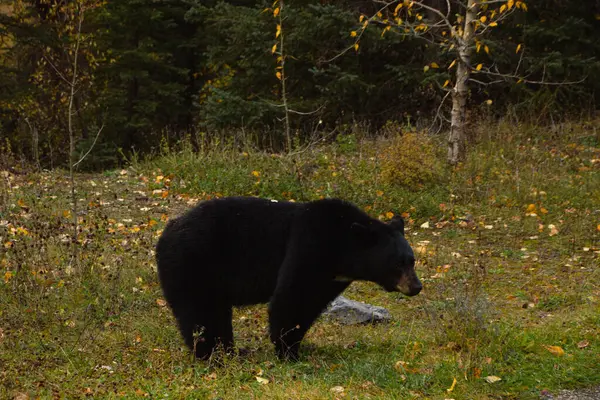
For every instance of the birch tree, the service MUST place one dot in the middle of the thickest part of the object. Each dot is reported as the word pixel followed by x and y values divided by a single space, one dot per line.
pixel 456 27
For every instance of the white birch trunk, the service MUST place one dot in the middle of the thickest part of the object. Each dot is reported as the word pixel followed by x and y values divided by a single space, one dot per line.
pixel 460 93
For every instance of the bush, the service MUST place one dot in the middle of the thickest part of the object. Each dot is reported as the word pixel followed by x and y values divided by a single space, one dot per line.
pixel 410 160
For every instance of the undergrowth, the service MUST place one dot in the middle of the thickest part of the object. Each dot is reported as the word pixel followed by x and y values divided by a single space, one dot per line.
pixel 508 247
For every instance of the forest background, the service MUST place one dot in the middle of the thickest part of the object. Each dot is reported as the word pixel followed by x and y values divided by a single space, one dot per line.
pixel 153 70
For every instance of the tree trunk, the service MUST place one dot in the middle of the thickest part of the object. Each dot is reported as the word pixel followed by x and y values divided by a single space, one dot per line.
pixel 460 92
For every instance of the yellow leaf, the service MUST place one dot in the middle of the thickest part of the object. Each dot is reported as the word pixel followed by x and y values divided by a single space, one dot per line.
pixel 278 75
pixel 398 7
pixel 451 388
pixel 524 6
pixel 7 276
pixel 493 24
pixel 503 8
pixel 483 19
pixel 353 33
pixel 261 380
pixel 361 18
pixel 487 49
pixel 276 12
pixel 598 227
pixel 452 64
pixel 387 28
pixel 518 48
pixel 478 67
pixel 356 46
pixel 389 215
pixel 426 68
pixel 278 31
pixel 510 4
pixel 478 47
pixel 531 208
pixel 556 350
pixel 446 83
pixel 210 377
pixel 255 173
pixel 434 65
pixel 337 389
pixel 489 102
pixel 274 48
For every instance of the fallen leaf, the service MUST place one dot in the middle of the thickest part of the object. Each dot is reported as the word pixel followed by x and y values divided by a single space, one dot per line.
pixel 451 388
pixel 556 350
pixel 261 380
pixel 553 230
pixel 210 377
pixel 425 225
pixel 401 365
pixel 583 344
pixel 161 302
pixel 492 379
pixel 337 389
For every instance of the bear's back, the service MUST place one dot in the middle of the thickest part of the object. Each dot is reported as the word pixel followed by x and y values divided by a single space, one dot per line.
pixel 233 246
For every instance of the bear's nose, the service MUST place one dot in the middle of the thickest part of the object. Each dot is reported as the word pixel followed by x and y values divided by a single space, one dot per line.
pixel 416 289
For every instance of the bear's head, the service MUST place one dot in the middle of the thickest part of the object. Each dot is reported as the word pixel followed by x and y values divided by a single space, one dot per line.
pixel 383 255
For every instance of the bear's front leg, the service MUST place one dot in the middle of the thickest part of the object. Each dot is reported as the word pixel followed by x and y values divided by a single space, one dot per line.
pixel 293 310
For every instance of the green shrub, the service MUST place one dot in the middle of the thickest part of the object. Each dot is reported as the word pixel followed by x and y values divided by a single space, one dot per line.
pixel 410 160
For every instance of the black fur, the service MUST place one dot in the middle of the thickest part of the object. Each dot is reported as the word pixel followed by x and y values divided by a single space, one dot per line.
pixel 296 256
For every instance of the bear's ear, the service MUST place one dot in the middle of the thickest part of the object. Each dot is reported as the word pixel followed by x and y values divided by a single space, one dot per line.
pixel 363 234
pixel 397 223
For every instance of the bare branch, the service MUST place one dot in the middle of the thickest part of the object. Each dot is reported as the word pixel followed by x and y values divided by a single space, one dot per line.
pixel 438 114
pixel 60 75
pixel 306 113
pixel 482 83
pixel 91 147
pixel 519 78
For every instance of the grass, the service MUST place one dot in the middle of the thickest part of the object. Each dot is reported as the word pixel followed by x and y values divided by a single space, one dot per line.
pixel 505 295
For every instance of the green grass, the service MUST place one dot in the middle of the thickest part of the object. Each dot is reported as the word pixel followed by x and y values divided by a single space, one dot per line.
pixel 500 286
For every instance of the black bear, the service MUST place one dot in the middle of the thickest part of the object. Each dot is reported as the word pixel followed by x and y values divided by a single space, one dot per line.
pixel 298 257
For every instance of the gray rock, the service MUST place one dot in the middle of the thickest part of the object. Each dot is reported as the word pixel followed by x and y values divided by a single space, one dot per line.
pixel 592 393
pixel 350 312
